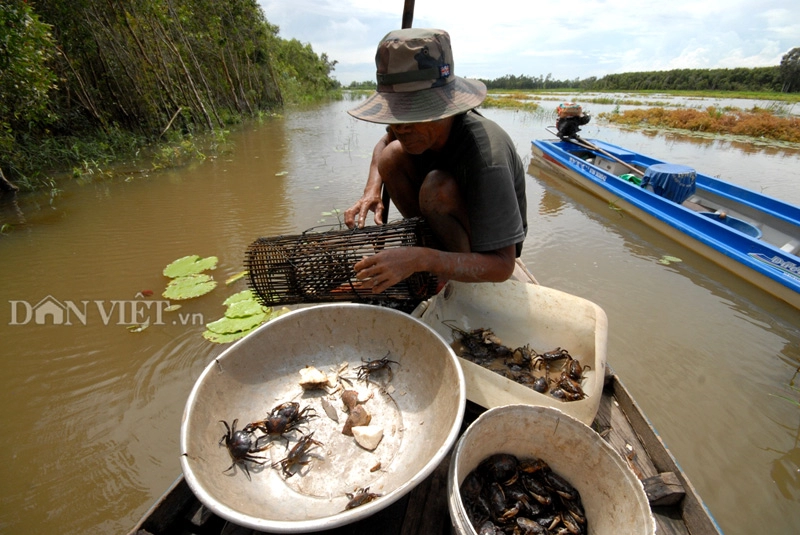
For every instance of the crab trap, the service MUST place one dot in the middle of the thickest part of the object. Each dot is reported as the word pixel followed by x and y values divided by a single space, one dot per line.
pixel 317 267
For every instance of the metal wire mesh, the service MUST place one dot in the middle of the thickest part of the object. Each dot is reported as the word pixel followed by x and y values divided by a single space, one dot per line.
pixel 317 267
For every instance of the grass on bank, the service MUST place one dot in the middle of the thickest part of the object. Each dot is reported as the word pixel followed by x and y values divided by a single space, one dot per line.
pixel 41 164
pixel 755 123
pixel 612 97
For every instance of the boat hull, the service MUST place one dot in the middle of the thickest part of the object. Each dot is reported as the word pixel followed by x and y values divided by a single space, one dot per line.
pixel 755 260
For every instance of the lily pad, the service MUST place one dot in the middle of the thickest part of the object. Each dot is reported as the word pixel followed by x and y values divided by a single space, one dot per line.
pixel 229 329
pixel 244 308
pixel 217 338
pixel 228 325
pixel 189 286
pixel 189 265
pixel 244 295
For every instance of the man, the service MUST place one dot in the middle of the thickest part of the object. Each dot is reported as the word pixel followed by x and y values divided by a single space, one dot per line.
pixel 439 159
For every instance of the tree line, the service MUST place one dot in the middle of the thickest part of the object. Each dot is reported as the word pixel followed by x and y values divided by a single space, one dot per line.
pixel 783 78
pixel 123 72
pixel 761 79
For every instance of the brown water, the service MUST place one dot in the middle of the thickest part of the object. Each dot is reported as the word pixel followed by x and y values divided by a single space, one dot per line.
pixel 91 411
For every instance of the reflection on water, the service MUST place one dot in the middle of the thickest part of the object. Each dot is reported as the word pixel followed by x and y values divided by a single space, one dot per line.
pixel 785 471
pixel 92 411
pixel 550 204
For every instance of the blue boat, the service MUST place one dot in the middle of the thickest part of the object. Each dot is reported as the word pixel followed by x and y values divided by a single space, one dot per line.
pixel 752 235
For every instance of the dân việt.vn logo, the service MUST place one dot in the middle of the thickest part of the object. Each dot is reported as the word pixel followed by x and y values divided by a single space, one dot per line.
pixel 126 312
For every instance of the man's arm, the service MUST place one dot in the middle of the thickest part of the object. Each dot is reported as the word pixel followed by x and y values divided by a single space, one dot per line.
pixel 387 268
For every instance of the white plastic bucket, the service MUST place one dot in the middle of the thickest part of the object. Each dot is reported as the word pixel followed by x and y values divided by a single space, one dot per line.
pixel 613 497
pixel 520 313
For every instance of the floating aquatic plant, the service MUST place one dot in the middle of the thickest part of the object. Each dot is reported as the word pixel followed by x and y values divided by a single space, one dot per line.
pixel 139 328
pixel 243 314
pixel 228 325
pixel 188 281
pixel 189 265
pixel 217 338
pixel 667 260
pixel 242 309
pixel 189 286
pixel 236 277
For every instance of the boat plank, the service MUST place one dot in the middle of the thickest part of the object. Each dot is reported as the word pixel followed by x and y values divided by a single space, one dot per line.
pixel 427 512
pixel 664 489
pixel 614 426
pixel 692 509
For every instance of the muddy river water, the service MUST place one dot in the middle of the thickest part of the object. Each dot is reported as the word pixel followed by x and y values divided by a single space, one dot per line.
pixel 91 411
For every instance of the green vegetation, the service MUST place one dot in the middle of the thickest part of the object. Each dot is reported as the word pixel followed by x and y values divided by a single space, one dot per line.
pixel 515 101
pixel 783 78
pixel 84 84
pixel 187 280
pixel 243 315
pixel 244 312
pixel 363 86
pixel 761 79
pixel 756 123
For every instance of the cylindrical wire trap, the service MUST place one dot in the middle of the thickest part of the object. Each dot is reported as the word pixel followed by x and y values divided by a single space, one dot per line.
pixel 317 267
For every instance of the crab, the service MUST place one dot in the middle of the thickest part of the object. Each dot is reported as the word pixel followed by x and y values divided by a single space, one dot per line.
pixel 360 497
pixel 296 456
pixel 372 366
pixel 242 445
pixel 283 419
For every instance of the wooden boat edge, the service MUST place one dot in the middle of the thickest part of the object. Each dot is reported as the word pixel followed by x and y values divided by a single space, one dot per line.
pixel 695 513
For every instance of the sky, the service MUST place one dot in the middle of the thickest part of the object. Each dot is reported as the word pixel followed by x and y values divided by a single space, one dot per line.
pixel 567 40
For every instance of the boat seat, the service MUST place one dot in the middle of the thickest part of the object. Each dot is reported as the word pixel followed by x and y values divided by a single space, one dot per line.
pixel 790 247
pixel 619 152
pixel 691 205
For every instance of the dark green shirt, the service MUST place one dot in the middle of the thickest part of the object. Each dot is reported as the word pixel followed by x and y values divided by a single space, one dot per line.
pixel 489 172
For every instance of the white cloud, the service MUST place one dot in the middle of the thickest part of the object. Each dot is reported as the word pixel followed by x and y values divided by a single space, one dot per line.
pixel 575 40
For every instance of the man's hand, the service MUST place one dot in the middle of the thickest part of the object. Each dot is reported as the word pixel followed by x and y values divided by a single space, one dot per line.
pixel 367 203
pixel 386 268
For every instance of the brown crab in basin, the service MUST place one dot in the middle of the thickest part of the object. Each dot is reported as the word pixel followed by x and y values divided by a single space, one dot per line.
pixel 373 366
pixel 242 445
pixel 283 419
pixel 296 458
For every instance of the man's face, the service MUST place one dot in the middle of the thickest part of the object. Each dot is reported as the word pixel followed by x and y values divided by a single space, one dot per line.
pixel 416 138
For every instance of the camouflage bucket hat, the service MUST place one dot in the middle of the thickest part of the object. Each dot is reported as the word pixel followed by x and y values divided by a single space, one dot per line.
pixel 416 80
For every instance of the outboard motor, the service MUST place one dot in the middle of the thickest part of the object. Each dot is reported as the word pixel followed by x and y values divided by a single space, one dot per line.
pixel 570 119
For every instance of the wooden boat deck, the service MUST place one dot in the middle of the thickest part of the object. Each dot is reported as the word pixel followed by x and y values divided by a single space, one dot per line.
pixel 677 508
